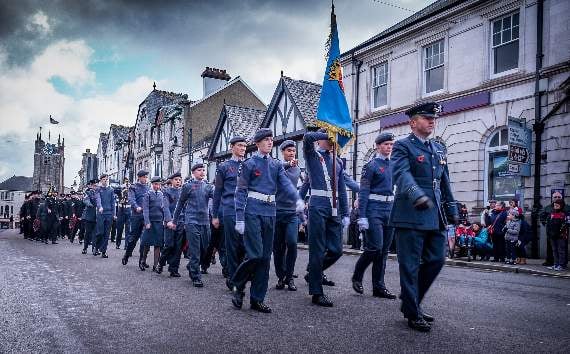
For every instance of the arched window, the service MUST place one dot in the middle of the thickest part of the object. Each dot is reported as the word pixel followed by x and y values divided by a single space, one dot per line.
pixel 500 184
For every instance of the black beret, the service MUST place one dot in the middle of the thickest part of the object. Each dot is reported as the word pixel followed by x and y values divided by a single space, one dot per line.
pixel 177 174
pixel 156 179
pixel 262 134
pixel 287 144
pixel 142 173
pixel 237 139
pixel 103 176
pixel 197 165
pixel 428 109
pixel 382 137
pixel 94 181
pixel 72 192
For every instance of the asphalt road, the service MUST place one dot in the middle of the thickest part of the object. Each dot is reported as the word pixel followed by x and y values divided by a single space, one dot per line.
pixel 53 299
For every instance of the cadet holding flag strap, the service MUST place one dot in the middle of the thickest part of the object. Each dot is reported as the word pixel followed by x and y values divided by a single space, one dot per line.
pixel 423 192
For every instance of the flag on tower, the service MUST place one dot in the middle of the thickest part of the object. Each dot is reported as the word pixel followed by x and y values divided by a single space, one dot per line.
pixel 52 121
pixel 332 112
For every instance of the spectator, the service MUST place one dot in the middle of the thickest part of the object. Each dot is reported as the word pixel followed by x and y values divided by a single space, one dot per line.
pixel 463 215
pixel 557 232
pixel 514 204
pixel 497 221
pixel 524 238
pixel 482 241
pixel 556 196
pixel 484 214
pixel 512 229
pixel 487 213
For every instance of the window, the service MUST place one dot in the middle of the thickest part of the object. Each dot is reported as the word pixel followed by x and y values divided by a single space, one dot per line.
pixel 434 66
pixel 380 85
pixel 171 129
pixel 505 43
pixel 500 183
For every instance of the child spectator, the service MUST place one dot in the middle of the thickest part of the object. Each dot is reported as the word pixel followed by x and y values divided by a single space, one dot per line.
pixel 482 241
pixel 512 230
pixel 557 232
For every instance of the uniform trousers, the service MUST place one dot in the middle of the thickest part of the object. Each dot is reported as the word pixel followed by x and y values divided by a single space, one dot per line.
pixel 123 224
pixel 89 235
pixel 235 250
pixel 285 244
pixel 137 226
pixel 103 230
pixel 172 251
pixel 198 237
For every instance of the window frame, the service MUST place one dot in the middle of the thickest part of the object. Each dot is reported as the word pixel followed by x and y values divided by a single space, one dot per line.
pixel 492 47
pixel 387 82
pixel 424 70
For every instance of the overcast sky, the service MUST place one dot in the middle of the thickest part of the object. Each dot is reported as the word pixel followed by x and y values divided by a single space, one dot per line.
pixel 90 63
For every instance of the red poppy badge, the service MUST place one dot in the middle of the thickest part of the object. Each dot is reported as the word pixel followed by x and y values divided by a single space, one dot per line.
pixel 257 173
pixel 382 169
pixel 421 158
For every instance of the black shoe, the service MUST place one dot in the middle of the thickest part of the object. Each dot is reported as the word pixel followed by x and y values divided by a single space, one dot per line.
pixel 118 247
pixel 146 265
pixel 104 255
pixel 280 284
pixel 229 284
pixel 197 283
pixel 306 277
pixel 125 260
pixel 154 269
pixel 357 286
pixel 327 282
pixel 427 317
pixel 204 271
pixel 80 242
pixel 213 260
pixel 112 241
pixel 46 242
pixel 225 273
pixel 175 275
pixel 237 299
pixel 419 325
pixel 295 276
pixel 159 268
pixel 322 300
pixel 383 293
pixel 260 307
pixel 141 266
pixel 547 264
pixel 291 285
pixel 83 251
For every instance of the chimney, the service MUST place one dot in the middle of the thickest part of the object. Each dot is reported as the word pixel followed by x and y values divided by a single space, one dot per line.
pixel 213 79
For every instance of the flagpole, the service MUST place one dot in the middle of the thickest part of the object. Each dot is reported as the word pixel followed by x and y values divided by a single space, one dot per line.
pixel 334 181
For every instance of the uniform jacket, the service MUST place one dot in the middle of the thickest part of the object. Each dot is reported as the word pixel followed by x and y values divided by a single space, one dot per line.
pixel 225 188
pixel 420 170
pixel 285 203
pixel 153 206
pixel 78 207
pixel 90 204
pixel 316 178
pixel 171 196
pixel 262 174
pixel 376 179
pixel 137 191
pixel 105 198
pixel 32 208
pixel 193 200
pixel 46 218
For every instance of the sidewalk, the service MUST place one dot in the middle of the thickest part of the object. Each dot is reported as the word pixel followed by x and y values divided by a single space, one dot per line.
pixel 534 266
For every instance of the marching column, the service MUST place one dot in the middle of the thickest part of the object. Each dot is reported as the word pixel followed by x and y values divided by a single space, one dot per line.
pixel 106 213
pixel 173 235
pixel 137 192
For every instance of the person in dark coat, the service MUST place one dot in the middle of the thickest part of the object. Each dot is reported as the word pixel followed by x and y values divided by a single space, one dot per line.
pixel 49 219
pixel 89 217
pixel 557 225
pixel 137 191
pixel 173 236
pixel 153 214
pixel 497 222
pixel 423 192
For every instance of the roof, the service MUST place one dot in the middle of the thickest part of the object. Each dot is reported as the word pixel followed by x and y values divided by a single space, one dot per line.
pixel 428 11
pixel 244 121
pixel 17 183
pixel 119 133
pixel 157 99
pixel 305 95
pixel 103 139
pixel 223 87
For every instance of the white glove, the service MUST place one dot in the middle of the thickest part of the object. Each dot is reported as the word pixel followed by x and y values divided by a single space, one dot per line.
pixel 363 223
pixel 300 206
pixel 240 227
pixel 345 221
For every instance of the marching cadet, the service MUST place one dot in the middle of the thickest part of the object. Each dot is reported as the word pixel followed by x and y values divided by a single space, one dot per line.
pixel 137 191
pixel 49 219
pixel 106 212
pixel 224 207
pixel 89 216
pixel 24 221
pixel 153 215
pixel 194 199
pixel 286 222
pixel 259 179
pixel 173 236
pixel 324 225
pixel 78 207
pixel 31 213
pixel 423 191
pixel 375 203
pixel 123 215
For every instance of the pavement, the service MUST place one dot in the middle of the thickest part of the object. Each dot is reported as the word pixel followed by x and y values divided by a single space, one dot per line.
pixel 53 299
pixel 533 266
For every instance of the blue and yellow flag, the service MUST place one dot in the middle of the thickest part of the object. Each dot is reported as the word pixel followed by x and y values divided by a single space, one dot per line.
pixel 332 113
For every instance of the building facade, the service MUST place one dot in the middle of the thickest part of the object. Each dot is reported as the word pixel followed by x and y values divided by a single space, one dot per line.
pixel 115 155
pixel 102 162
pixel 12 195
pixel 479 60
pixel 88 169
pixel 49 161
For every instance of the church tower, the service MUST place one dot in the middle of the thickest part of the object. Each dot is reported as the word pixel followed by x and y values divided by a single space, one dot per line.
pixel 49 161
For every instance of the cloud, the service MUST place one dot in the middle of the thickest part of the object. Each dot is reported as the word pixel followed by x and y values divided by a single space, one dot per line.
pixel 39 22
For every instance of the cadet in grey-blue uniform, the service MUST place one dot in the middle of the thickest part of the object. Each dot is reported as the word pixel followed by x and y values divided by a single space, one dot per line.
pixel 194 200
pixel 259 179
pixel 375 203
pixel 89 217
pixel 287 222
pixel 224 207
pixel 106 213
pixel 153 215
pixel 324 225
pixel 174 233
pixel 423 192
pixel 137 191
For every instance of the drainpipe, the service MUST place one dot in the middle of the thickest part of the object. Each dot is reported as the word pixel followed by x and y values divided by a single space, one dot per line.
pixel 538 128
pixel 355 63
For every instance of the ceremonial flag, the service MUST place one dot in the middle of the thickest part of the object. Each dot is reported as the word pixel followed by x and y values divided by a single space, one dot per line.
pixel 52 121
pixel 332 113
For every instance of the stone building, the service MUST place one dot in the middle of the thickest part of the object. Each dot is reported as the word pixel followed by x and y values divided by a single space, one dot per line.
pixel 478 58
pixel 169 128
pixel 148 137
pixel 49 161
pixel 116 151
pixel 203 115
pixel 102 162
pixel 12 195
pixel 88 169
